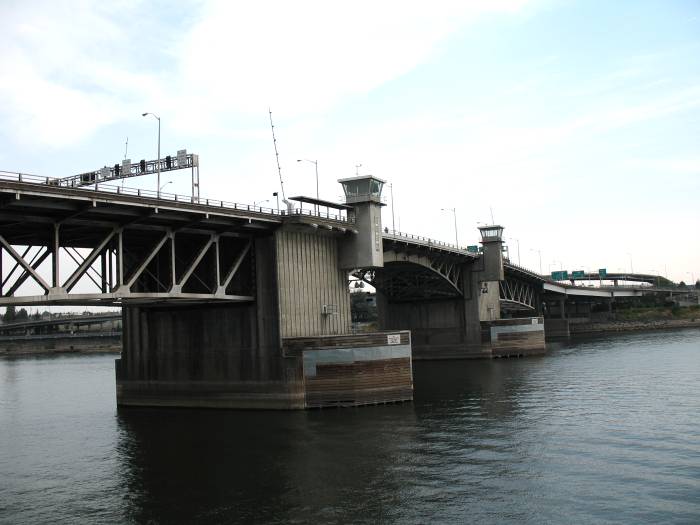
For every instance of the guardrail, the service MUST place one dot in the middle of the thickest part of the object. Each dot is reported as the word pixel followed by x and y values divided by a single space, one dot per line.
pixel 426 241
pixel 63 335
pixel 169 197
pixel 527 270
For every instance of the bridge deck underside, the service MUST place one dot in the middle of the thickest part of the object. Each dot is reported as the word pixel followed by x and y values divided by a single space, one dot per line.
pixel 73 247
pixel 408 281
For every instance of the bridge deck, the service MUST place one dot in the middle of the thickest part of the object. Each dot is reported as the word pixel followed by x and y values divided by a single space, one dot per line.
pixel 123 241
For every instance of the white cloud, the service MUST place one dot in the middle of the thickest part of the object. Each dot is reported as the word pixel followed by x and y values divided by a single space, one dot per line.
pixel 67 71
pixel 304 56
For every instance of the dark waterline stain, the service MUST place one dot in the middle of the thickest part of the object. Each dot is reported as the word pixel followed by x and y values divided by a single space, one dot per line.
pixel 598 431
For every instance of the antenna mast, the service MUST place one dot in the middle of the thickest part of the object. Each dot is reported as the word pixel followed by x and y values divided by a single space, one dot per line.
pixel 277 155
pixel 126 150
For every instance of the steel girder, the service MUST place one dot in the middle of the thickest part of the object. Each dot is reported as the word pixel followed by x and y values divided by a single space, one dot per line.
pixel 414 273
pixel 517 294
pixel 127 265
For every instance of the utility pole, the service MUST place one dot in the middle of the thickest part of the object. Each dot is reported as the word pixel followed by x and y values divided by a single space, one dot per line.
pixel 539 252
pixel 393 223
pixel 454 212
pixel 315 163
pixel 158 165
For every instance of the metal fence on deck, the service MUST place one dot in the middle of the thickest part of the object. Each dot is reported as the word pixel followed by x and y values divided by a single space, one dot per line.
pixel 425 241
pixel 171 197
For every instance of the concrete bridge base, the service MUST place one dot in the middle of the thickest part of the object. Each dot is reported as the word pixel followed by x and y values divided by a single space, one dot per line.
pixel 354 369
pixel 206 357
pixel 450 329
pixel 556 329
pixel 515 337
pixel 499 338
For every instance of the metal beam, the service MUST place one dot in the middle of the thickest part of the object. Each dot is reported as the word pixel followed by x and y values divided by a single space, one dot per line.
pixel 236 265
pixel 78 262
pixel 40 281
pixel 196 261
pixel 34 263
pixel 78 273
pixel 148 259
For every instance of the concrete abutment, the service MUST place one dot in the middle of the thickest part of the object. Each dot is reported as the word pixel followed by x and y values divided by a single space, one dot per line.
pixel 289 348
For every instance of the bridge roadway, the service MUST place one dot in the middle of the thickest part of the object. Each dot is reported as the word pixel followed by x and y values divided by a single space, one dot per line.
pixel 622 276
pixel 514 292
pixel 126 230
pixel 60 324
pixel 229 305
pixel 127 233
pixel 54 218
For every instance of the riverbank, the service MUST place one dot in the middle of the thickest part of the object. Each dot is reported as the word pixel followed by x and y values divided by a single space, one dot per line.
pixel 109 343
pixel 631 326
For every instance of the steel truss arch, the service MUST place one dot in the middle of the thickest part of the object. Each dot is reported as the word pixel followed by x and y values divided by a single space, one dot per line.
pixel 517 293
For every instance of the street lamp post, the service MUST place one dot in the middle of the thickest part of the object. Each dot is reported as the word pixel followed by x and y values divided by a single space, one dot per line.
pixel 315 163
pixel 518 243
pixel 255 203
pixel 393 222
pixel 655 273
pixel 157 165
pixel 164 185
pixel 631 267
pixel 454 212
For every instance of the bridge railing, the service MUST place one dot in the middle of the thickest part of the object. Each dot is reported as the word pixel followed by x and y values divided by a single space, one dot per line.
pixel 526 270
pixel 172 197
pixel 418 239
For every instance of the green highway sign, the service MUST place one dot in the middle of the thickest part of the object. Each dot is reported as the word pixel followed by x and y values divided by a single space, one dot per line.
pixel 578 274
pixel 560 276
pixel 602 273
pixel 473 249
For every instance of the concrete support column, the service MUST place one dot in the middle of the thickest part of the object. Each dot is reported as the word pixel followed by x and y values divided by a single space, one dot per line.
pixel 55 248
pixel 562 308
pixel 471 291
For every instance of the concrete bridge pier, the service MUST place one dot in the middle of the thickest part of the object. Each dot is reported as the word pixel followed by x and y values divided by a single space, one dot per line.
pixel 215 355
pixel 458 322
pixel 287 344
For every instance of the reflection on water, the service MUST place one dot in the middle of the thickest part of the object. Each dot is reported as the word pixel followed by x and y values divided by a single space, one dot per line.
pixel 598 431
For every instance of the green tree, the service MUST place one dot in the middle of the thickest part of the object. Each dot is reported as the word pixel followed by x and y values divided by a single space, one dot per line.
pixel 10 314
pixel 22 315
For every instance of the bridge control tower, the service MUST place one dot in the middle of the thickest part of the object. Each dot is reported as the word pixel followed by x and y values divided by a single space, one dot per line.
pixel 491 273
pixel 363 250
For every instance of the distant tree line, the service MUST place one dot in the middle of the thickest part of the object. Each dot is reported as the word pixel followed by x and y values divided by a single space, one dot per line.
pixel 12 315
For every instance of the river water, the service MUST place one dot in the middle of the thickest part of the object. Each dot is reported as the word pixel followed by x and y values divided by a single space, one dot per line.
pixel 599 431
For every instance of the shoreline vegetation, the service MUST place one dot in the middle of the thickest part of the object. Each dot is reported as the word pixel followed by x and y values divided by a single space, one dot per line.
pixel 642 319
pixel 36 348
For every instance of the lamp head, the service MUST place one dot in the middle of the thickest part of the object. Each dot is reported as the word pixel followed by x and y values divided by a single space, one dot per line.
pixel 144 114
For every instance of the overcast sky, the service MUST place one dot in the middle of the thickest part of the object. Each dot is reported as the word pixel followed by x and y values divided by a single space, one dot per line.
pixel 576 122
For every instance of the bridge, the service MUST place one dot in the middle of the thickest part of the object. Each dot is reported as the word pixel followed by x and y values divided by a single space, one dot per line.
pixel 62 333
pixel 63 324
pixel 232 305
